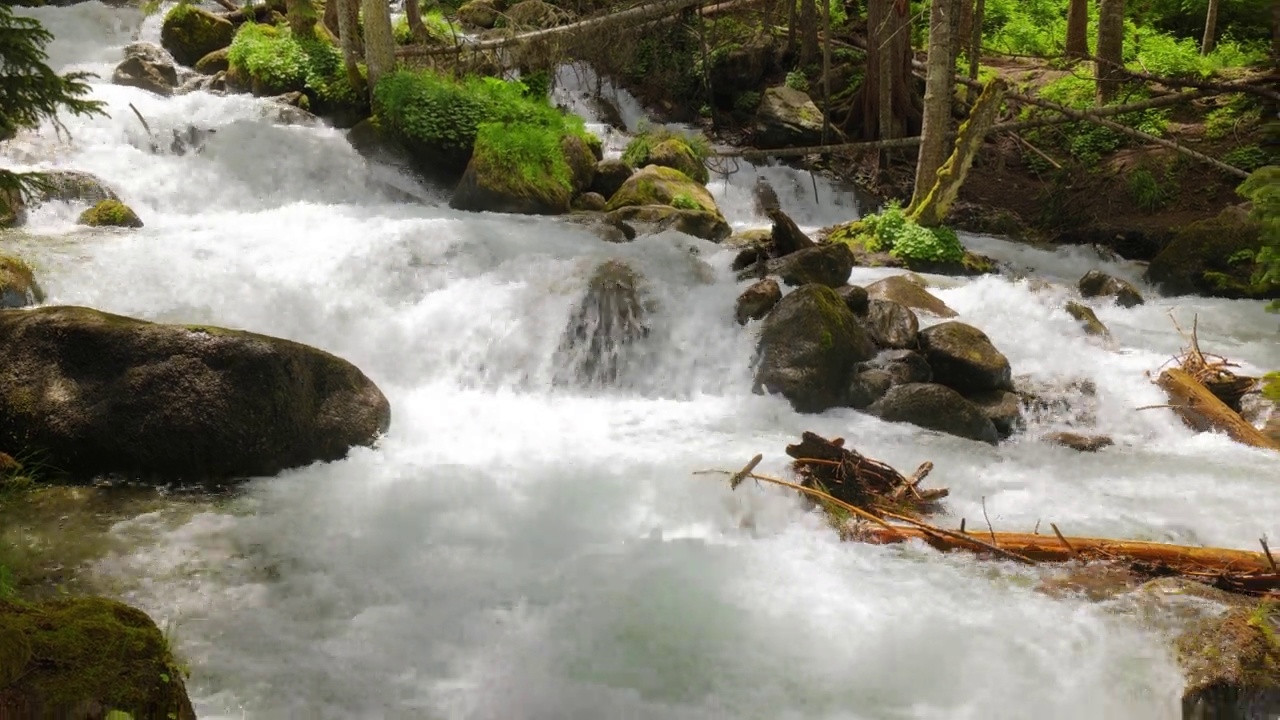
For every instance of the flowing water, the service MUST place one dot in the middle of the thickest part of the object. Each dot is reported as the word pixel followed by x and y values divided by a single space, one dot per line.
pixel 514 549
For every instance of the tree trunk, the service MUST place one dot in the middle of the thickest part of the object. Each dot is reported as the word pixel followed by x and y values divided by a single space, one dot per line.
pixel 975 40
pixel 348 12
pixel 1202 411
pixel 379 42
pixel 302 18
pixel 888 108
pixel 939 86
pixel 1210 28
pixel 808 32
pixel 932 208
pixel 792 23
pixel 1109 68
pixel 1078 29
pixel 413 12
pixel 826 69
pixel 331 17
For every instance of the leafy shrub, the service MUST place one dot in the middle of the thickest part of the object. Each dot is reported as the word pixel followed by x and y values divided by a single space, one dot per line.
pixel 276 62
pixel 1086 141
pixel 1262 189
pixel 892 230
pixel 440 116
pixel 797 81
pixel 1146 191
pixel 747 102
pixel 1247 158
pixel 1240 111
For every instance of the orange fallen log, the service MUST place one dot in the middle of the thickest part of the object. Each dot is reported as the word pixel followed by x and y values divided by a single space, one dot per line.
pixel 1202 411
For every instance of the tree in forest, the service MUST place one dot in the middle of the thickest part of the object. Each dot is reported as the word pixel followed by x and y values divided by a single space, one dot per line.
pixel 808 31
pixel 302 17
pixel 939 87
pixel 1110 68
pixel 417 28
pixel 31 92
pixel 348 20
pixel 379 40
pixel 886 100
pixel 1077 29
pixel 1210 28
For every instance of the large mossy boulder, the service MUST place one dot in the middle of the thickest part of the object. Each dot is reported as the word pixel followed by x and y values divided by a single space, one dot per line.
pixel 1232 665
pixel 517 169
pixel 18 286
pixel 963 358
pixel 110 213
pixel 828 265
pixel 935 407
pixel 607 323
pixel 663 187
pixel 787 117
pixel 809 345
pixel 904 291
pixel 189 33
pixel 1205 258
pixel 536 15
pixel 148 67
pixel 95 393
pixel 84 658
pixel 665 148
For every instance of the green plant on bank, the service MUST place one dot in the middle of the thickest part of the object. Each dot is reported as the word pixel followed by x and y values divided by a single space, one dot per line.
pixel 1262 190
pixel 1084 141
pixel 892 230
pixel 1248 157
pixel 1240 113
pixel 277 62
pixel 797 81
pixel 640 148
pixel 1146 191
pixel 747 102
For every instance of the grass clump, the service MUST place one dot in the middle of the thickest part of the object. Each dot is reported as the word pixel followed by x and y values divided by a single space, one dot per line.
pixel 892 230
pixel 663 146
pixel 1146 191
pixel 528 159
pixel 272 61
pixel 439 117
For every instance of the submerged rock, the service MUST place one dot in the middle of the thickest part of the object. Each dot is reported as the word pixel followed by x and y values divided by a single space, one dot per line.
pixel 1087 318
pixel 189 33
pixel 1002 408
pixel 84 658
pixel 935 407
pixel 110 213
pixel 1232 665
pixel 787 118
pixel 901 289
pixel 756 301
pixel 1079 442
pixel 808 348
pixel 589 202
pixel 963 358
pixel 611 318
pixel 148 67
pixel 1099 284
pixel 18 286
pixel 97 393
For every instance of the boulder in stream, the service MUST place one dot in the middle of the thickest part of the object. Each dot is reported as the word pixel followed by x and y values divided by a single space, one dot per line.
pixel 1099 284
pixel 1079 442
pixel 756 301
pixel 1002 408
pixel 665 197
pixel 84 657
pixel 903 366
pixel 855 298
pixel 610 320
pixel 215 62
pixel 97 393
pixel 1204 257
pixel 902 290
pixel 676 153
pixel 1232 665
pixel 148 67
pixel 809 346
pixel 110 213
pixel 787 118
pixel 1087 318
pixel 828 265
pixel 609 176
pixel 891 325
pixel 189 33
pixel 482 14
pixel 963 358
pixel 935 407
pixel 18 286
pixel 71 186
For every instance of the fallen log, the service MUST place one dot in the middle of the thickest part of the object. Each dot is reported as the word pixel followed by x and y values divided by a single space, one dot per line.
pixel 1203 411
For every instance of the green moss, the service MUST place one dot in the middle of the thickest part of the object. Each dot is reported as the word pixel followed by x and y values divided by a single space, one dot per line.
pixel 273 62
pixel 683 201
pixel 110 213
pixel 438 117
pixel 69 651
pixel 522 160
pixel 662 146
pixel 190 33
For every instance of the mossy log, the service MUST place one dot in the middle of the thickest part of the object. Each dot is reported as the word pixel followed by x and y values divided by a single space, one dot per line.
pixel 1203 411
pixel 930 210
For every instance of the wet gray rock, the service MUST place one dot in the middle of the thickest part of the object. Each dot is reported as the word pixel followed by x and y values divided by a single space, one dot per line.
pixel 609 321
pixel 1002 408
pixel 828 265
pixel 935 407
pixel 1099 284
pixel 149 67
pixel 902 290
pixel 903 366
pixel 756 301
pixel 963 358
pixel 855 297
pixel 891 325
pixel 867 387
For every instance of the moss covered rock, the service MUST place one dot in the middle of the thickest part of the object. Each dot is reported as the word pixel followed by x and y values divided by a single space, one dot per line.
pixel 655 186
pixel 189 33
pixel 581 160
pixel 18 286
pixel 787 117
pixel 536 15
pixel 1099 284
pixel 85 657
pixel 1232 664
pixel 1204 258
pixel 809 345
pixel 963 358
pixel 676 153
pixel 268 60
pixel 482 14
pixel 215 62
pixel 828 265
pixel 1087 318
pixel 609 177
pixel 110 213
pixel 97 393
pixel 935 407
pixel 665 148
pixel 902 290
pixel 516 168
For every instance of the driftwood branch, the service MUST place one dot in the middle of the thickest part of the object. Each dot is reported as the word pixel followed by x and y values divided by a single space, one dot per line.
pixel 1258 86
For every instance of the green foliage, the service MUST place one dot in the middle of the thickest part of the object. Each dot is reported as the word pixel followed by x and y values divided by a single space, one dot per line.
pixel 1271 386
pixel 30 91
pixel 747 102
pixel 797 81
pixel 641 146
pixel 894 231
pixel 1247 157
pixel 1262 189
pixel 1241 112
pixel 276 62
pixel 439 30
pixel 529 154
pixel 1146 191
pixel 1084 141
pixel 685 201
pixel 8 586
pixel 439 114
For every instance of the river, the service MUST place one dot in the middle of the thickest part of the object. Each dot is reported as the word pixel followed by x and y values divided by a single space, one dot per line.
pixel 517 549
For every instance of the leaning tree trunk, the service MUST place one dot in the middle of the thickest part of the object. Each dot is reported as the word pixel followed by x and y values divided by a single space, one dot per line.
pixel 348 12
pixel 1110 65
pixel 302 18
pixel 939 87
pixel 808 32
pixel 413 12
pixel 975 40
pixel 1210 27
pixel 932 208
pixel 379 42
pixel 331 17
pixel 885 99
pixel 1078 29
